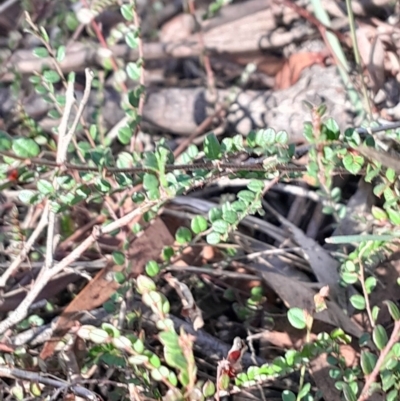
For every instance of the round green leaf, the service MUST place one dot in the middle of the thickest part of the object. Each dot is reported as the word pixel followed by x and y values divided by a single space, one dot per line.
pixel 45 187
pixel 132 40
pixel 198 224
pixel 282 137
pixel 220 226
pixel 183 235
pixel 213 238
pixel 370 284
pixel 297 318
pixel 133 70
pixel 353 163
pixel 125 135
pixel 152 268
pixel 288 396
pixel 358 301
pixel 150 182
pixel 40 52
pixel 255 185
pixel 51 76
pixel 155 361
pixel 145 284
pixel 25 147
pixel 208 389
pixel 118 258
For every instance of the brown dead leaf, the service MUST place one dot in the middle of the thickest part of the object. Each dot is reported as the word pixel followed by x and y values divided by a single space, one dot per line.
pixel 144 248
pixel 294 65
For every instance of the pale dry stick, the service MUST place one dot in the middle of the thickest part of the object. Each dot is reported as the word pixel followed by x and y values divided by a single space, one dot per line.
pixel 68 137
pixel 19 374
pixel 60 158
pixel 25 250
pixel 394 338
pixel 45 275
pixel 63 141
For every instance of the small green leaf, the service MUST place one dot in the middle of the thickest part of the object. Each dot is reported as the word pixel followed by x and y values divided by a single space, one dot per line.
pixel 378 213
pixel 25 147
pixel 393 310
pixel 170 339
pixel 5 141
pixel 393 395
pixel 213 238
pixel 150 182
pixel 224 381
pixel 212 147
pixel 60 54
pixel 118 258
pixel 40 52
pixel 26 195
pixel 45 187
pixel 255 185
pixel 152 268
pixel 214 214
pixel 220 226
pixel 379 337
pixel 331 130
pixel 51 76
pixel 183 235
pixel 125 135
pixel 145 284
pixel 394 216
pixel 230 217
pixel 127 11
pixel 297 318
pixel 358 301
pixel 208 389
pixel 282 137
pixel 353 163
pixel 370 284
pixel 304 391
pixel 349 393
pixel 155 361
pixel 134 71
pixel 132 40
pixel 246 196
pixel 198 224
pixel 375 312
pixel 368 362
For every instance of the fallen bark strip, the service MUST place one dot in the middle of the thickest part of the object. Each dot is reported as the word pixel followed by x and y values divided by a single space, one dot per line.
pixel 257 29
pixel 182 110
